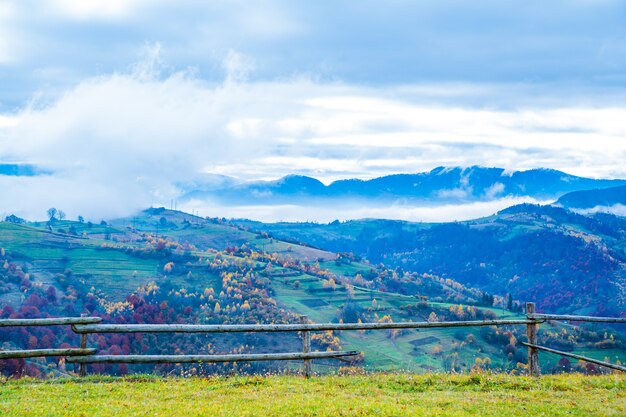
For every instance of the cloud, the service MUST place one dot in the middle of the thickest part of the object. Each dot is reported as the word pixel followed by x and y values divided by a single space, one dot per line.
pixel 94 9
pixel 617 209
pixel 297 213
pixel 493 191
pixel 577 45
pixel 30 197
pixel 126 140
pixel 237 66
pixel 7 121
pixel 7 33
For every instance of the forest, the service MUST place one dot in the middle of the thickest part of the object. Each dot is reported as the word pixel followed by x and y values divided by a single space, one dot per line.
pixel 171 267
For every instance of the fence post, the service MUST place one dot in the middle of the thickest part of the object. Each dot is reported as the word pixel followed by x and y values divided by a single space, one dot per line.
pixel 531 333
pixel 306 347
pixel 82 368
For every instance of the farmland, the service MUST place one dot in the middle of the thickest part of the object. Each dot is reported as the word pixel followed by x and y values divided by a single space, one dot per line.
pixel 165 266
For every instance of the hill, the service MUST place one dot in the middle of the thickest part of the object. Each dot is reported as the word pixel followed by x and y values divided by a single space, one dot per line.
pixel 564 261
pixel 606 199
pixel 376 394
pixel 164 266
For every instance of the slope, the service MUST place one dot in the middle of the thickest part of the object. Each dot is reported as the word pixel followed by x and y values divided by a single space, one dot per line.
pixel 564 261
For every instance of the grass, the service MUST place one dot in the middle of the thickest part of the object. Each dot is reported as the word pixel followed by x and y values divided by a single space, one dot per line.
pixel 205 235
pixel 346 269
pixel 373 394
pixel 382 353
pixel 118 274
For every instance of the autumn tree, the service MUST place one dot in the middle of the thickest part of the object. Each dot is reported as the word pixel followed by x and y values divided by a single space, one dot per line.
pixel 433 317
pixel 330 284
pixel 168 267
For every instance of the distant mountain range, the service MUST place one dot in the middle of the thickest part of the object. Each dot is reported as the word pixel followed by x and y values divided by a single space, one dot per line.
pixel 20 170
pixel 447 185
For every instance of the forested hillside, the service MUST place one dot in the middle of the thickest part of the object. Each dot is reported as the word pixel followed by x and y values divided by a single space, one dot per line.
pixel 565 262
pixel 165 266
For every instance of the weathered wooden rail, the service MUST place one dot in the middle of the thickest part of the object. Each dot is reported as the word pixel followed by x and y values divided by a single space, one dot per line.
pixel 38 353
pixel 563 317
pixel 534 348
pixel 289 356
pixel 51 321
pixel 266 328
pixel 579 357
pixel 92 325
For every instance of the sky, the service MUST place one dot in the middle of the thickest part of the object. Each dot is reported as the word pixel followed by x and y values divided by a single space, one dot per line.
pixel 120 102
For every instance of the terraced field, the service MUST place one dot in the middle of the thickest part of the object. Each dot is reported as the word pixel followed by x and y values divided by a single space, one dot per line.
pixel 117 273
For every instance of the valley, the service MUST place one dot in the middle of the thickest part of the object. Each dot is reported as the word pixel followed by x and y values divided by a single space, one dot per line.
pixel 164 266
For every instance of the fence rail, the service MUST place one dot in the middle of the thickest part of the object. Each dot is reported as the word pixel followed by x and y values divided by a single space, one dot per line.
pixel 534 348
pixel 289 356
pixel 84 326
pixel 572 355
pixel 38 353
pixel 308 327
pixel 564 317
pixel 50 321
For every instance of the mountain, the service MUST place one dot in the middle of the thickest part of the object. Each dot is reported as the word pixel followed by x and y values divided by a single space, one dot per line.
pixel 20 170
pixel 441 185
pixel 164 266
pixel 565 262
pixel 589 199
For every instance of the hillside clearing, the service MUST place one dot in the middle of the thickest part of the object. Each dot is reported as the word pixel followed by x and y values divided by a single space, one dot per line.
pixel 373 394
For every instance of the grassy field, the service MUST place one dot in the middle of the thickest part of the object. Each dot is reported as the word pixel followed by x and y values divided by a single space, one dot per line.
pixel 412 350
pixel 374 394
pixel 116 274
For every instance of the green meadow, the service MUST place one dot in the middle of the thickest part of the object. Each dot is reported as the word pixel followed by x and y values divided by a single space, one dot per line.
pixel 378 394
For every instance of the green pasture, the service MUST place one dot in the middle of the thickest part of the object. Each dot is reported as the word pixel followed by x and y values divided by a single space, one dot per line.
pixel 403 394
pixel 382 352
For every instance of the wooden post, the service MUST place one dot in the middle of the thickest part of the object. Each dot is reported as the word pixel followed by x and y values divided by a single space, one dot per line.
pixel 533 353
pixel 82 368
pixel 306 347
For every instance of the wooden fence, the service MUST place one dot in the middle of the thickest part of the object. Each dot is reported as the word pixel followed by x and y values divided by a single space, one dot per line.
pixel 93 325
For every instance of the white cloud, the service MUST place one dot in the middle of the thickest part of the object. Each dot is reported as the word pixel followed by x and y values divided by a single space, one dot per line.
pixel 94 9
pixel 8 34
pixel 296 213
pixel 30 197
pixel 493 191
pixel 127 138
pixel 237 66
pixel 8 121
pixel 617 209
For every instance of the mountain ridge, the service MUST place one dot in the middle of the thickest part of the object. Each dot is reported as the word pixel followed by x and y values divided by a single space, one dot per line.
pixel 589 199
pixel 441 184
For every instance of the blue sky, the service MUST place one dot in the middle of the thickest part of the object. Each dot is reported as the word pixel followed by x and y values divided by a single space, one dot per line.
pixel 169 91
